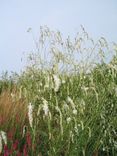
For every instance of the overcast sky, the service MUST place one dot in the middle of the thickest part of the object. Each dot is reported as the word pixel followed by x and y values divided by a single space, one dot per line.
pixel 99 17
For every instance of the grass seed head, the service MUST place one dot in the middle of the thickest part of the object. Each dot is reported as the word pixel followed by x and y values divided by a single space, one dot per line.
pixel 30 114
pixel 57 83
pixel 45 107
pixel 70 101
pixel 4 137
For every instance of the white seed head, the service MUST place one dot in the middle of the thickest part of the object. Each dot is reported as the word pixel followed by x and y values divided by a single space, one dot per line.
pixel 76 129
pixel 45 107
pixel 57 83
pixel 13 96
pixel 68 120
pixel 41 84
pixel 75 112
pixel 63 81
pixel 4 137
pixel 70 101
pixel 47 82
pixel 65 106
pixel 30 114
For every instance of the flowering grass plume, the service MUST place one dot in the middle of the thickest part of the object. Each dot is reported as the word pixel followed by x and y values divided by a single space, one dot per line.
pixel 30 114
pixel 45 107
pixel 3 139
pixel 70 101
pixel 57 83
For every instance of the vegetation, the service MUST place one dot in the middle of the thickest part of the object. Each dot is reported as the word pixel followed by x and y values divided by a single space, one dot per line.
pixel 64 103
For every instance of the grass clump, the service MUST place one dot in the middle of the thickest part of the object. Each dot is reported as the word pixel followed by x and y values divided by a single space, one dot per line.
pixel 66 100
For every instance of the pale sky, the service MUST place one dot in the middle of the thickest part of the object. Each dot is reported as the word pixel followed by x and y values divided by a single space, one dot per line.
pixel 99 17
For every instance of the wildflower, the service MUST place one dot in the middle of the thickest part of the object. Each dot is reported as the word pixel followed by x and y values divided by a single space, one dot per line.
pixel 6 150
pixel 19 153
pixel 45 107
pixel 28 139
pixel 57 83
pixel 30 114
pixel 15 145
pixel 25 150
pixel 10 134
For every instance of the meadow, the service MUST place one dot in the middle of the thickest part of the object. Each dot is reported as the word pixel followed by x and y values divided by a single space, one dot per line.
pixel 64 103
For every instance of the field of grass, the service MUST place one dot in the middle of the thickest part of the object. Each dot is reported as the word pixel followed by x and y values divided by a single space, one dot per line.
pixel 61 105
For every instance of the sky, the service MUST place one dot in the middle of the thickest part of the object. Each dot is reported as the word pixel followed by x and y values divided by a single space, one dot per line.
pixel 99 18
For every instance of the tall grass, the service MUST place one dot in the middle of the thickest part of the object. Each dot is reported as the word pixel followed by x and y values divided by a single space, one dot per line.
pixel 66 99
